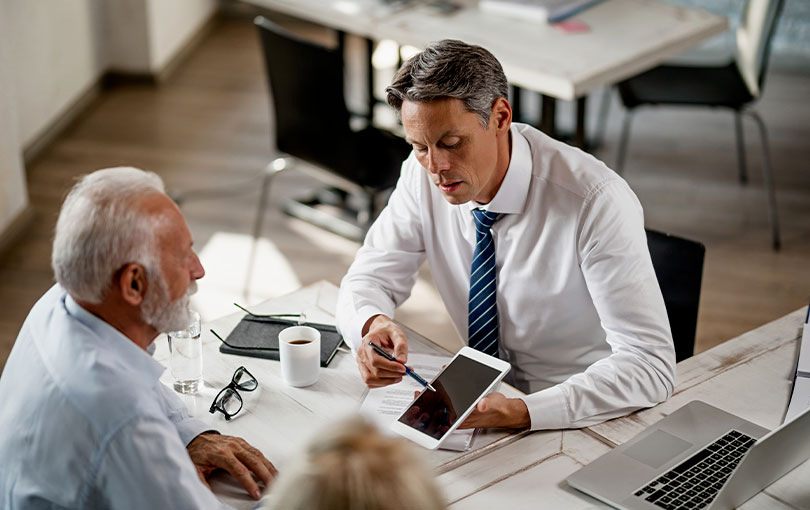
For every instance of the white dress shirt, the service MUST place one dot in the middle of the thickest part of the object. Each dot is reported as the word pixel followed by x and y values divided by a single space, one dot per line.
pixel 86 423
pixel 582 319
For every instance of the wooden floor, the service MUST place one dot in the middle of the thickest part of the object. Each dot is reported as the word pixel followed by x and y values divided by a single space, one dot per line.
pixel 208 127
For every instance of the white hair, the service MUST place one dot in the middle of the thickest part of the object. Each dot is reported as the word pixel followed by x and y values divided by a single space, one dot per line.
pixel 99 231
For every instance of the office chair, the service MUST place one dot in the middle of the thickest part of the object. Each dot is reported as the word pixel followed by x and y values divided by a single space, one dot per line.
pixel 734 85
pixel 313 125
pixel 678 265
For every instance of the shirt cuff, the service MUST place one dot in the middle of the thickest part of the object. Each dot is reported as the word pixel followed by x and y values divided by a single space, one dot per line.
pixel 190 428
pixel 548 409
pixel 363 315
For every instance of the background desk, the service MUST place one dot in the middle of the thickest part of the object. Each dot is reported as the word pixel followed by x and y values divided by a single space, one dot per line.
pixel 749 375
pixel 624 38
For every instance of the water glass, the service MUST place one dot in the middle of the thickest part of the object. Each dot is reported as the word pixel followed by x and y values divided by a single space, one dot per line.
pixel 185 362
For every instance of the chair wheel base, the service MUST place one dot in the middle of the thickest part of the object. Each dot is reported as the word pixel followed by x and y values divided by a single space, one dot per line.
pixel 325 213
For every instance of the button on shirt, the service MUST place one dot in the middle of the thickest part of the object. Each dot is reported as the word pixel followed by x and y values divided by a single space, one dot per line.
pixel 85 422
pixel 582 319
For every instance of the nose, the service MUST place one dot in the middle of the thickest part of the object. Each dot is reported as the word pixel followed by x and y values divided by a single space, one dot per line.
pixel 197 270
pixel 437 161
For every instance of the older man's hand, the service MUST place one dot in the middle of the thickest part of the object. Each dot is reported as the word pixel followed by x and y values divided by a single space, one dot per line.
pixel 209 452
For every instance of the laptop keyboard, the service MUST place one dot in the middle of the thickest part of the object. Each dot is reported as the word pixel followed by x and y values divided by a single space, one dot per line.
pixel 695 482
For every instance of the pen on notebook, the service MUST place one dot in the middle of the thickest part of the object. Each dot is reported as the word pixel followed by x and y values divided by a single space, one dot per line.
pixel 408 370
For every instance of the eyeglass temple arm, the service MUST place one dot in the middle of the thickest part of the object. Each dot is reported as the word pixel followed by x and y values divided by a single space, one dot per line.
pixel 258 348
pixel 266 315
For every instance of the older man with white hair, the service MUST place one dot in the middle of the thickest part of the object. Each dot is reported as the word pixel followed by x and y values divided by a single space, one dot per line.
pixel 85 421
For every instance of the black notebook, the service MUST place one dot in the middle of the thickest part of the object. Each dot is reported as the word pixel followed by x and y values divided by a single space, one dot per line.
pixel 263 332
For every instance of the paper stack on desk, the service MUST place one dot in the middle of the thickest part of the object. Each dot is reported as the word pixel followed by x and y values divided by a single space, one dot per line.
pixel 550 11
pixel 800 399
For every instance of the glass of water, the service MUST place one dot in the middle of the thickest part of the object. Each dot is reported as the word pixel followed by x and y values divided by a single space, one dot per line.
pixel 185 360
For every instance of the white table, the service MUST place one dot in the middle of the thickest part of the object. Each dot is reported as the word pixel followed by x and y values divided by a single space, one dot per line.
pixel 749 376
pixel 625 37
pixel 278 419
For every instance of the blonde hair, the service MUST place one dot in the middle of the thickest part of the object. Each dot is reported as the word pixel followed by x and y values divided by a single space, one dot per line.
pixel 351 466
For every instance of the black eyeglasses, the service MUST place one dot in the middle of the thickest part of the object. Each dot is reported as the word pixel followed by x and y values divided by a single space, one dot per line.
pixel 228 401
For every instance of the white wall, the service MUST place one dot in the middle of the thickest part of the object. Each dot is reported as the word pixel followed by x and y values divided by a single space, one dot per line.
pixel 55 58
pixel 13 195
pixel 171 24
pixel 126 35
pixel 54 51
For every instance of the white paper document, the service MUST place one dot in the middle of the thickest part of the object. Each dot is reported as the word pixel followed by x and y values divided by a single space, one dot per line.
pixel 384 405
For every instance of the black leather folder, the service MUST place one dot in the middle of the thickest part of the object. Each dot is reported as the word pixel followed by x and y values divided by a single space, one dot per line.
pixel 263 332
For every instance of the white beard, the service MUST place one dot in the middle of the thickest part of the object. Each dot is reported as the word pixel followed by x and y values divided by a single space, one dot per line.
pixel 165 315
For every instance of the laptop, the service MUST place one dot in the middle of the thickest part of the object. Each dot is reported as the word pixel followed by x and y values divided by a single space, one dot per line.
pixel 699 457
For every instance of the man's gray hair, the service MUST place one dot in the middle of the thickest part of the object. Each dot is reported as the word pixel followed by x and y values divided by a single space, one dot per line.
pixel 100 230
pixel 451 69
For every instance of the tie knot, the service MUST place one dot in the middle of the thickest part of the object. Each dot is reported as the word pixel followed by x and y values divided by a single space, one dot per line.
pixel 484 219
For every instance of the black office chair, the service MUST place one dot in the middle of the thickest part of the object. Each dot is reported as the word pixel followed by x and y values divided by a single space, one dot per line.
pixel 735 85
pixel 312 125
pixel 678 265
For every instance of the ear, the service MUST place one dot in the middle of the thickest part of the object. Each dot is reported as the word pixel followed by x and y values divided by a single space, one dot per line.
pixel 501 117
pixel 132 284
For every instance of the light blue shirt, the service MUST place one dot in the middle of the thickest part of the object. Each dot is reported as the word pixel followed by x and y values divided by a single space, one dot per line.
pixel 85 422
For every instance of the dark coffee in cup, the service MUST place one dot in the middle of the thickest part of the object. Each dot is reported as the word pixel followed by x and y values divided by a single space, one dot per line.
pixel 299 342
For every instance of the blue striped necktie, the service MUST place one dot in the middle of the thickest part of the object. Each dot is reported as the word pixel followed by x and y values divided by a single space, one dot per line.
pixel 483 309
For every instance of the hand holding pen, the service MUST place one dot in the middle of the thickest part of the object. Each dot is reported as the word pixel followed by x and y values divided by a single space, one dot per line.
pixel 408 370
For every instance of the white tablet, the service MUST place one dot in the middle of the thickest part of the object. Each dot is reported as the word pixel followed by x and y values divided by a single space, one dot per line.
pixel 433 416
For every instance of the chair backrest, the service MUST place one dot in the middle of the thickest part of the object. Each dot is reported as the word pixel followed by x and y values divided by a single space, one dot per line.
pixel 754 41
pixel 678 266
pixel 306 84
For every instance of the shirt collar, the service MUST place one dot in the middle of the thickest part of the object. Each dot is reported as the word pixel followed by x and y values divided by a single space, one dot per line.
pixel 142 366
pixel 511 196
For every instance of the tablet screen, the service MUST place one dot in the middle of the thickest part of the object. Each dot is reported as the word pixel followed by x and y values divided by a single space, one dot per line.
pixel 457 387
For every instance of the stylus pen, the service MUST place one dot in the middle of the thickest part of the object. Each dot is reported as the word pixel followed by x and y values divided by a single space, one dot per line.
pixel 408 370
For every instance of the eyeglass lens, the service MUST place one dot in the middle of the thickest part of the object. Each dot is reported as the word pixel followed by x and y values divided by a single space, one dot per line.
pixel 229 402
pixel 244 380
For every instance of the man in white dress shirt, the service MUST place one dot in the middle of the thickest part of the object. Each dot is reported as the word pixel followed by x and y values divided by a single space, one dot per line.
pixel 85 421
pixel 537 249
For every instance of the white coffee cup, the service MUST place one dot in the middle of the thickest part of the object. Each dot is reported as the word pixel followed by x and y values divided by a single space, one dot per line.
pixel 299 349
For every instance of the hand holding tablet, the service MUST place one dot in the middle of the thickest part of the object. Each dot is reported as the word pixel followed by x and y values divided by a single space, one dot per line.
pixel 433 416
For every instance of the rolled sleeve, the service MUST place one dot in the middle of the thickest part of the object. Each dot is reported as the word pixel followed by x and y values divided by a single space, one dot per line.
pixel 386 266
pixel 187 427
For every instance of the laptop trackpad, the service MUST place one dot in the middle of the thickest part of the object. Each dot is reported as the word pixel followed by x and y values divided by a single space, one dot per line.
pixel 657 448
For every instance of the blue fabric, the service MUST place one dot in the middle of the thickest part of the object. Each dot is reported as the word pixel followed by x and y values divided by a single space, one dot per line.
pixel 483 308
pixel 87 424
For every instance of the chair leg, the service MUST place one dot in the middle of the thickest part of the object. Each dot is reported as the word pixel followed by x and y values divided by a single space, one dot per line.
pixel 601 121
pixel 628 118
pixel 272 168
pixel 738 125
pixel 768 177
